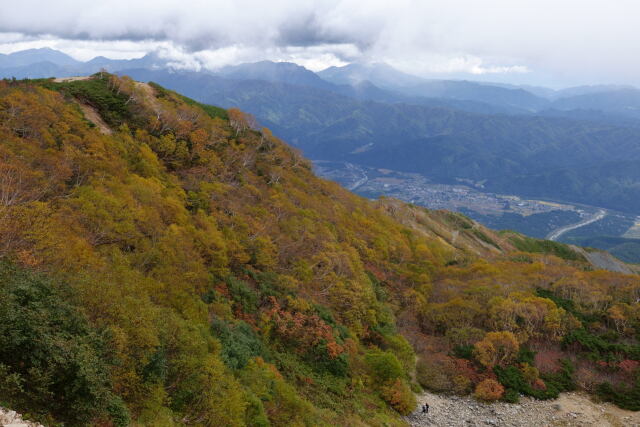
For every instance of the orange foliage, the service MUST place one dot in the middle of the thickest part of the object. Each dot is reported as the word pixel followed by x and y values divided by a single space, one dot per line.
pixel 304 330
pixel 399 396
pixel 489 390
pixel 496 348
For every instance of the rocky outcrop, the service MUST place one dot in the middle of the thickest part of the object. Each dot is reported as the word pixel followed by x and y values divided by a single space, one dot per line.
pixel 10 418
pixel 605 261
pixel 570 409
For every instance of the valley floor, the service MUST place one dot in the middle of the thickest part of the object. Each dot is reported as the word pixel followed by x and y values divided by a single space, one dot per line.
pixel 570 409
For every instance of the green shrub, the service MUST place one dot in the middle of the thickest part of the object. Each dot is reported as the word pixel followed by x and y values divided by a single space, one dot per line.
pixel 239 343
pixel 599 347
pixel 280 401
pixel 255 414
pixel 157 368
pixel 242 294
pixel 52 362
pixel 463 352
pixel 511 396
pixel 624 397
pixel 318 357
pixel 563 379
pixel 111 104
pixel 514 381
pixel 378 287
pixel 383 366
pixel 528 244
pixel 526 355
pixel 402 349
pixel 325 389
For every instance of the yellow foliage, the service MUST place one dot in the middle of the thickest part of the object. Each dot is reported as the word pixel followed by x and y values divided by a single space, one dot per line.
pixel 496 348
pixel 146 226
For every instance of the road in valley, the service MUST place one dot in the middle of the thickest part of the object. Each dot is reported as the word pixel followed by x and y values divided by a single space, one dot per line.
pixel 357 170
pixel 555 234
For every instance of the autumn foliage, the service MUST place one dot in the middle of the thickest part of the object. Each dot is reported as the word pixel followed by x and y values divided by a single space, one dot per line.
pixel 399 396
pixel 489 390
pixel 227 285
pixel 496 348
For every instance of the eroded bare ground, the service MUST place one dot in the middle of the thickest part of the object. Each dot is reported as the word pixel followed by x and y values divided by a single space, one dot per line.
pixel 9 418
pixel 570 410
pixel 92 115
pixel 70 79
pixel 149 94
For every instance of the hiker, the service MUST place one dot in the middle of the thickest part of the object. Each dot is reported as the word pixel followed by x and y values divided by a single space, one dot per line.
pixel 425 408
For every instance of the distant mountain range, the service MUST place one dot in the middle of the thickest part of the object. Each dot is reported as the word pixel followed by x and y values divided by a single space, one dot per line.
pixel 388 78
pixel 46 62
pixel 580 144
pixel 379 82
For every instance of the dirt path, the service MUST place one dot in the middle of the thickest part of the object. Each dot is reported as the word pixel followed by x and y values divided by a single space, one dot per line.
pixel 569 410
pixel 92 115
pixel 149 94
pixel 70 79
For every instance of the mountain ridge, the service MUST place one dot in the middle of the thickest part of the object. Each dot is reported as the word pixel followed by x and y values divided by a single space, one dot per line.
pixel 190 251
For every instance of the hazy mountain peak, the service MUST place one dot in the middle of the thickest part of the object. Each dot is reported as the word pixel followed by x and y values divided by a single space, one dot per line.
pixel 593 89
pixel 98 60
pixel 379 73
pixel 285 72
pixel 261 66
pixel 45 54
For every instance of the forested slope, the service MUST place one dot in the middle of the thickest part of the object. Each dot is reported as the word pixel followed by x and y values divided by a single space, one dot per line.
pixel 181 267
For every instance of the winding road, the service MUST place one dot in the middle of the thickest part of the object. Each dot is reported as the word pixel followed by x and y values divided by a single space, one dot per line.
pixel 555 234
pixel 361 181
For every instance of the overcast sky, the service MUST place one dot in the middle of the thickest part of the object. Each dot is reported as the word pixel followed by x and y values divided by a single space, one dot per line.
pixel 550 42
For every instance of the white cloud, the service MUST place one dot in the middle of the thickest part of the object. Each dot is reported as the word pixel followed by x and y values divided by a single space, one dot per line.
pixel 577 40
pixel 312 57
pixel 428 64
pixel 82 50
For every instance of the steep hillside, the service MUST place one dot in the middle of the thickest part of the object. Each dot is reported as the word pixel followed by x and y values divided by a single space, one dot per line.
pixel 175 265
